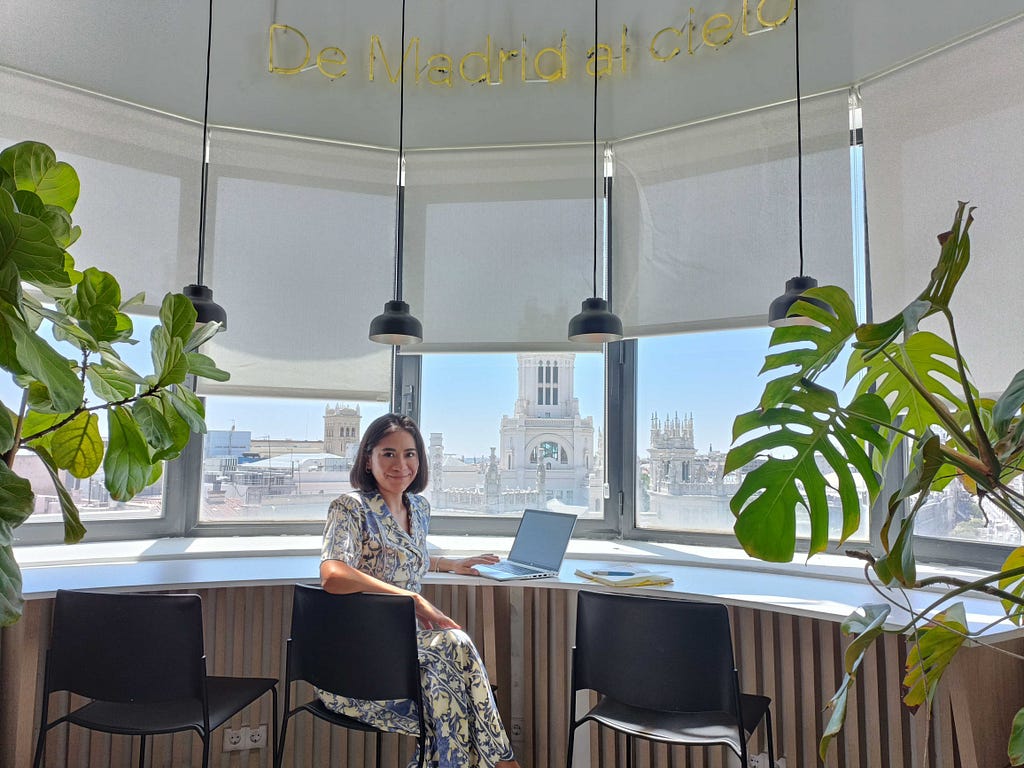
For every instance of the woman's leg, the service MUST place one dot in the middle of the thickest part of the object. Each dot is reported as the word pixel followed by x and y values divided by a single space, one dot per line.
pixel 459 708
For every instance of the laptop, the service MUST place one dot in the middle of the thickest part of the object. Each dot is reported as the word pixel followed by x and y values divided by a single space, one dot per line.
pixel 538 549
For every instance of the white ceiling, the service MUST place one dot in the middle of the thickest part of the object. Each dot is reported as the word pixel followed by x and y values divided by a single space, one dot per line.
pixel 152 52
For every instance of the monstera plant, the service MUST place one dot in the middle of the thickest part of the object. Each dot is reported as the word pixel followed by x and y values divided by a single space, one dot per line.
pixel 50 310
pixel 913 392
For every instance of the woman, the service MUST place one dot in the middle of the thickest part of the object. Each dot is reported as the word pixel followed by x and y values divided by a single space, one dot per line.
pixel 376 541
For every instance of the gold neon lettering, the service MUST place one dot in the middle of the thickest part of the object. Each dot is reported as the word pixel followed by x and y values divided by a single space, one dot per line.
pixel 286 70
pixel 375 44
pixel 484 76
pixel 744 12
pixel 443 67
pixel 654 44
pixel 624 49
pixel 504 56
pixel 602 61
pixel 710 29
pixel 558 74
pixel 765 22
pixel 690 26
pixel 325 58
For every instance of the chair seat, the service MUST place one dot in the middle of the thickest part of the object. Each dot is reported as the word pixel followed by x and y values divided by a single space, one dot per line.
pixel 705 728
pixel 227 695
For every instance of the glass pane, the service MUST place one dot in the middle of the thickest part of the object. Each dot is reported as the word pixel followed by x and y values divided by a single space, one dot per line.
pixel 278 459
pixel 89 494
pixel 953 513
pixel 690 388
pixel 498 443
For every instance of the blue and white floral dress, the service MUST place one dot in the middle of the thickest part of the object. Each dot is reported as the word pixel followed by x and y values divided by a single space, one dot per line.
pixel 464 727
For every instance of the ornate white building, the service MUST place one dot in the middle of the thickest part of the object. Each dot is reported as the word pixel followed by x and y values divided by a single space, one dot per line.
pixel 546 431
pixel 341 429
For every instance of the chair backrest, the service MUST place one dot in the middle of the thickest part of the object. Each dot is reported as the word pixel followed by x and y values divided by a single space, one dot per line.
pixel 656 653
pixel 127 647
pixel 359 645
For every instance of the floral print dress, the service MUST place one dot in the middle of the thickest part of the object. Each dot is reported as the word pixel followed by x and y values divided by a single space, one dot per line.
pixel 464 728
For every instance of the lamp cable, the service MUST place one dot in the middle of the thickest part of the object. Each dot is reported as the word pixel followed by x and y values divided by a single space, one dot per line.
pixel 595 143
pixel 400 186
pixel 799 146
pixel 205 169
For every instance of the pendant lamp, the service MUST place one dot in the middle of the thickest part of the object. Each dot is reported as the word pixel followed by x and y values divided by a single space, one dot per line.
pixel 396 325
pixel 596 323
pixel 207 310
pixel 778 312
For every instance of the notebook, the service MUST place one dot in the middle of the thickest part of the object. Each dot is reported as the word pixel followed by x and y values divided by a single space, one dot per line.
pixel 538 549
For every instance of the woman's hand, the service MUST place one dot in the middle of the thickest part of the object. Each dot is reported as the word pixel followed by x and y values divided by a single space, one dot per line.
pixel 465 565
pixel 429 616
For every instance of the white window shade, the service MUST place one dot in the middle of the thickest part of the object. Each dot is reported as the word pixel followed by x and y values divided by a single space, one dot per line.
pixel 705 217
pixel 944 129
pixel 139 173
pixel 300 244
pixel 499 247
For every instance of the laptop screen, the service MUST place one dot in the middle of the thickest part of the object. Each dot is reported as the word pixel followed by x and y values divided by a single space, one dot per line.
pixel 542 538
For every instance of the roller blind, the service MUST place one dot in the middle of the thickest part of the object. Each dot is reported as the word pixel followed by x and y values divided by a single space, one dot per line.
pixel 498 246
pixel 705 217
pixel 300 246
pixel 944 129
pixel 139 175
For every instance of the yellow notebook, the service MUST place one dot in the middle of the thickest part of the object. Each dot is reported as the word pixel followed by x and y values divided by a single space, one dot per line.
pixel 625 577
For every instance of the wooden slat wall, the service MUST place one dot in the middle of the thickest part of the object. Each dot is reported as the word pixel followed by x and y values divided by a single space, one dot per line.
pixel 525 634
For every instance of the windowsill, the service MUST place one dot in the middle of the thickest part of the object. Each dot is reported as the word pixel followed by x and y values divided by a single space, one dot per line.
pixel 828 588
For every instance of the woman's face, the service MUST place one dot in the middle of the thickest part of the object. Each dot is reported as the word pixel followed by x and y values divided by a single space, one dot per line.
pixel 394 462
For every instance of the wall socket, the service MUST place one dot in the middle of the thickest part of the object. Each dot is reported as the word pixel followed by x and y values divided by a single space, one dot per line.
pixel 246 737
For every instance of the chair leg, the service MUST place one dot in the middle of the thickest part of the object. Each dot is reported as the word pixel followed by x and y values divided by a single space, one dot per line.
pixel 206 750
pixel 142 751
pixel 629 752
pixel 279 755
pixel 570 742
pixel 41 742
pixel 770 740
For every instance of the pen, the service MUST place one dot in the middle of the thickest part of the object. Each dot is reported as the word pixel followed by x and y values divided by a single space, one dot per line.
pixel 613 573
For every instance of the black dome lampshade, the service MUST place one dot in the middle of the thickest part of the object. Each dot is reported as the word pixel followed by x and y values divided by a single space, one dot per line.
pixel 596 323
pixel 207 310
pixel 396 325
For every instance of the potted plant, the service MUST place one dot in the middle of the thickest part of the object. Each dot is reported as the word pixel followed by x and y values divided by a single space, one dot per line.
pixel 914 392
pixel 45 300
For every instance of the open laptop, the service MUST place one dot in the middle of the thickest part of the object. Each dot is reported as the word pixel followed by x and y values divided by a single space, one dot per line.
pixel 538 549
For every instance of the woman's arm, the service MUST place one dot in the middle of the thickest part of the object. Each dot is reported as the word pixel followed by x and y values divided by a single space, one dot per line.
pixel 463 566
pixel 341 579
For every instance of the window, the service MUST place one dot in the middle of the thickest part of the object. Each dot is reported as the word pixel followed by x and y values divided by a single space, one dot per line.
pixel 501 439
pixel 690 388
pixel 278 460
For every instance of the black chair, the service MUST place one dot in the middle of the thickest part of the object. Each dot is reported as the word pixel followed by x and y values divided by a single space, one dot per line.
pixel 362 646
pixel 140 659
pixel 664 671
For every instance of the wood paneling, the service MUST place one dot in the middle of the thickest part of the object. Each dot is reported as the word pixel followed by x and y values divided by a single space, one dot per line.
pixel 525 634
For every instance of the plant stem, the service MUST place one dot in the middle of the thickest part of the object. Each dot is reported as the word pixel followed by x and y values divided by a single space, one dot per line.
pixel 984 448
pixel 9 456
pixel 151 392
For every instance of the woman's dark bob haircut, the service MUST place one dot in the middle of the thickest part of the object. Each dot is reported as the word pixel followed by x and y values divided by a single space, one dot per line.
pixel 361 477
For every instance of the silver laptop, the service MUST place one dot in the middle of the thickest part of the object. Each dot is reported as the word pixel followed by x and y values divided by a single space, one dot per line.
pixel 538 549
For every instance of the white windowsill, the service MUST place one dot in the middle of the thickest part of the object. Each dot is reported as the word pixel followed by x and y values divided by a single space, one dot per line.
pixel 829 588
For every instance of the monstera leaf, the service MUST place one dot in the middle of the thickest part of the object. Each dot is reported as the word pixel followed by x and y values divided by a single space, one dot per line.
pixel 810 424
pixel 935 647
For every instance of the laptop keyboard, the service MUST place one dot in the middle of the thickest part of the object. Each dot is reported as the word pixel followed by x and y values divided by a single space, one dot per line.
pixel 516 570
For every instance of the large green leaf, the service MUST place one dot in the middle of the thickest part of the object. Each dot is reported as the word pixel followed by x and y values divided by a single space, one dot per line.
pixel 36 423
pixel 1008 405
pixel 73 528
pixel 169 363
pixel 126 465
pixel 898 563
pixel 178 316
pixel 77 445
pixel 931 652
pixel 1015 748
pixel 188 406
pixel 809 349
pixel 7 419
pixel 11 601
pixel 16 500
pixel 34 167
pixel 27 242
pixel 203 365
pixel 866 624
pixel 932 360
pixel 97 289
pixel 150 418
pixel 179 428
pixel 1014 585
pixel 201 335
pixel 109 383
pixel 809 425
pixel 47 365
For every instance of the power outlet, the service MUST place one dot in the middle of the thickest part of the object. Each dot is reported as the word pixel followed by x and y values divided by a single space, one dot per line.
pixel 258 736
pixel 236 738
pixel 758 761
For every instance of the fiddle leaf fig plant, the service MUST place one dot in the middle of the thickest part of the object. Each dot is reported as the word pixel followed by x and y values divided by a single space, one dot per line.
pixel 60 330
pixel 912 389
